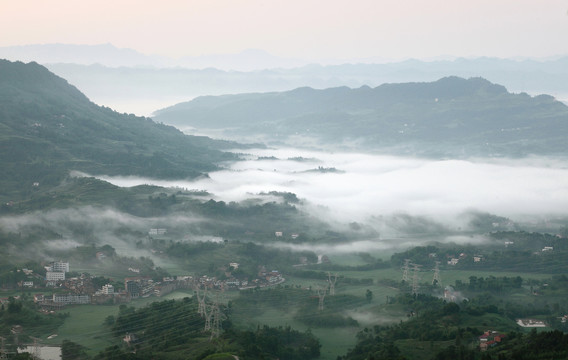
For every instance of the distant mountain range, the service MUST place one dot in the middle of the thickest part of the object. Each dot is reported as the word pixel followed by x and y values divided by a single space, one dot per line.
pixel 132 82
pixel 111 56
pixel 451 117
pixel 49 128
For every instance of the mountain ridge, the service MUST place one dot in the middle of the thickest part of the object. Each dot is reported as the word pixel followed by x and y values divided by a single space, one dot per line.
pixel 452 111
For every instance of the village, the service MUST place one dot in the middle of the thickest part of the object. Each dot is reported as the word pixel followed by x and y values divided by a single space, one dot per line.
pixel 61 290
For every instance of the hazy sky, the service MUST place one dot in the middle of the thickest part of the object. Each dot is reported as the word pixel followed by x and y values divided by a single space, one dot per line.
pixel 310 29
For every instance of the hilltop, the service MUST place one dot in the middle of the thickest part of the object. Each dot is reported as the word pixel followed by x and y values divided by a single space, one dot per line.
pixel 450 117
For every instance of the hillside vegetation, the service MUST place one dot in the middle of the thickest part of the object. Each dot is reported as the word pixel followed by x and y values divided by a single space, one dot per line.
pixel 48 127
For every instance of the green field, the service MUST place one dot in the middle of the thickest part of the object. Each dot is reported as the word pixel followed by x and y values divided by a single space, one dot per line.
pixel 85 326
pixel 85 323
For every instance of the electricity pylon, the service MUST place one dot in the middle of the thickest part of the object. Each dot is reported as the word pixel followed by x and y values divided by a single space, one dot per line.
pixel 331 282
pixel 321 294
pixel 437 280
pixel 405 270
pixel 415 271
pixel 201 308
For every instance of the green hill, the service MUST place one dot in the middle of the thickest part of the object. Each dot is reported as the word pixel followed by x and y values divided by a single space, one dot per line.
pixel 448 117
pixel 48 128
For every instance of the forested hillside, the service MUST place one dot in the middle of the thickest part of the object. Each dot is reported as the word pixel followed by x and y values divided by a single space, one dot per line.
pixel 48 127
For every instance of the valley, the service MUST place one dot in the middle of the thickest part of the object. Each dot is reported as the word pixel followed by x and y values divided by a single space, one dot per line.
pixel 124 238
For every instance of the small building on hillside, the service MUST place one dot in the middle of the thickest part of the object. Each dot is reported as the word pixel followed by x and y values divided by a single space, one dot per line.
pixel 490 339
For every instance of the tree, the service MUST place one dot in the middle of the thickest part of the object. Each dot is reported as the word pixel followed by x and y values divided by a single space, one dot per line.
pixel 72 351
pixel 369 295
pixel 109 320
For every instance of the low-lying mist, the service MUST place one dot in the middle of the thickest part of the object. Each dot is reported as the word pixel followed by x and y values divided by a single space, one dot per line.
pixel 351 187
pixel 379 203
pixel 73 227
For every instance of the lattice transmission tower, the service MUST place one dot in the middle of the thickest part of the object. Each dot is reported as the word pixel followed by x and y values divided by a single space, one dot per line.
pixel 437 280
pixel 321 294
pixel 331 280
pixel 405 269
pixel 415 278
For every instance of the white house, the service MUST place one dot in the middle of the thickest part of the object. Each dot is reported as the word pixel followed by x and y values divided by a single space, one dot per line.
pixel 453 261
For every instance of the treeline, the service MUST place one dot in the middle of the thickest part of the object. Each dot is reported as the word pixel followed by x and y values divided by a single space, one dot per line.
pixel 24 312
pixel 303 302
pixel 491 283
pixel 184 249
pixel 532 241
pixel 450 329
pixel 430 319
pixel 333 313
pixel 523 253
pixel 320 275
pixel 275 343
pixel 160 325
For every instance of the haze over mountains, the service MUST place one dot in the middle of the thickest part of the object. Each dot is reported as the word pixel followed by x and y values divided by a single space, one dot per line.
pixel 132 82
pixel 111 56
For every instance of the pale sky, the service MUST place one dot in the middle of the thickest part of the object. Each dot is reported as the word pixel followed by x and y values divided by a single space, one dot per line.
pixel 308 29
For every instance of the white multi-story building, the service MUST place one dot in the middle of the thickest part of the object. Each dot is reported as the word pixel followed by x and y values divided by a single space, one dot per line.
pixel 60 266
pixel 108 289
pixel 54 276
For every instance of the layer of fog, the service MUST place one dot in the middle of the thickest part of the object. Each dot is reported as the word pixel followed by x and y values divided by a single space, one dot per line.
pixel 365 186
pixel 366 318
pixel 376 245
pixel 404 201
pixel 74 227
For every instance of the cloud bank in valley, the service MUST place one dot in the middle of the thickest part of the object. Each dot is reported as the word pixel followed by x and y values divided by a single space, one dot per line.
pixel 77 226
pixel 375 185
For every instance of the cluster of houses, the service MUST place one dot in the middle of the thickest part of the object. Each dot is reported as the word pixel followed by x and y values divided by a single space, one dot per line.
pixel 490 339
pixel 454 260
pixel 264 278
pixel 55 272
pixel 81 290
pixel 144 286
